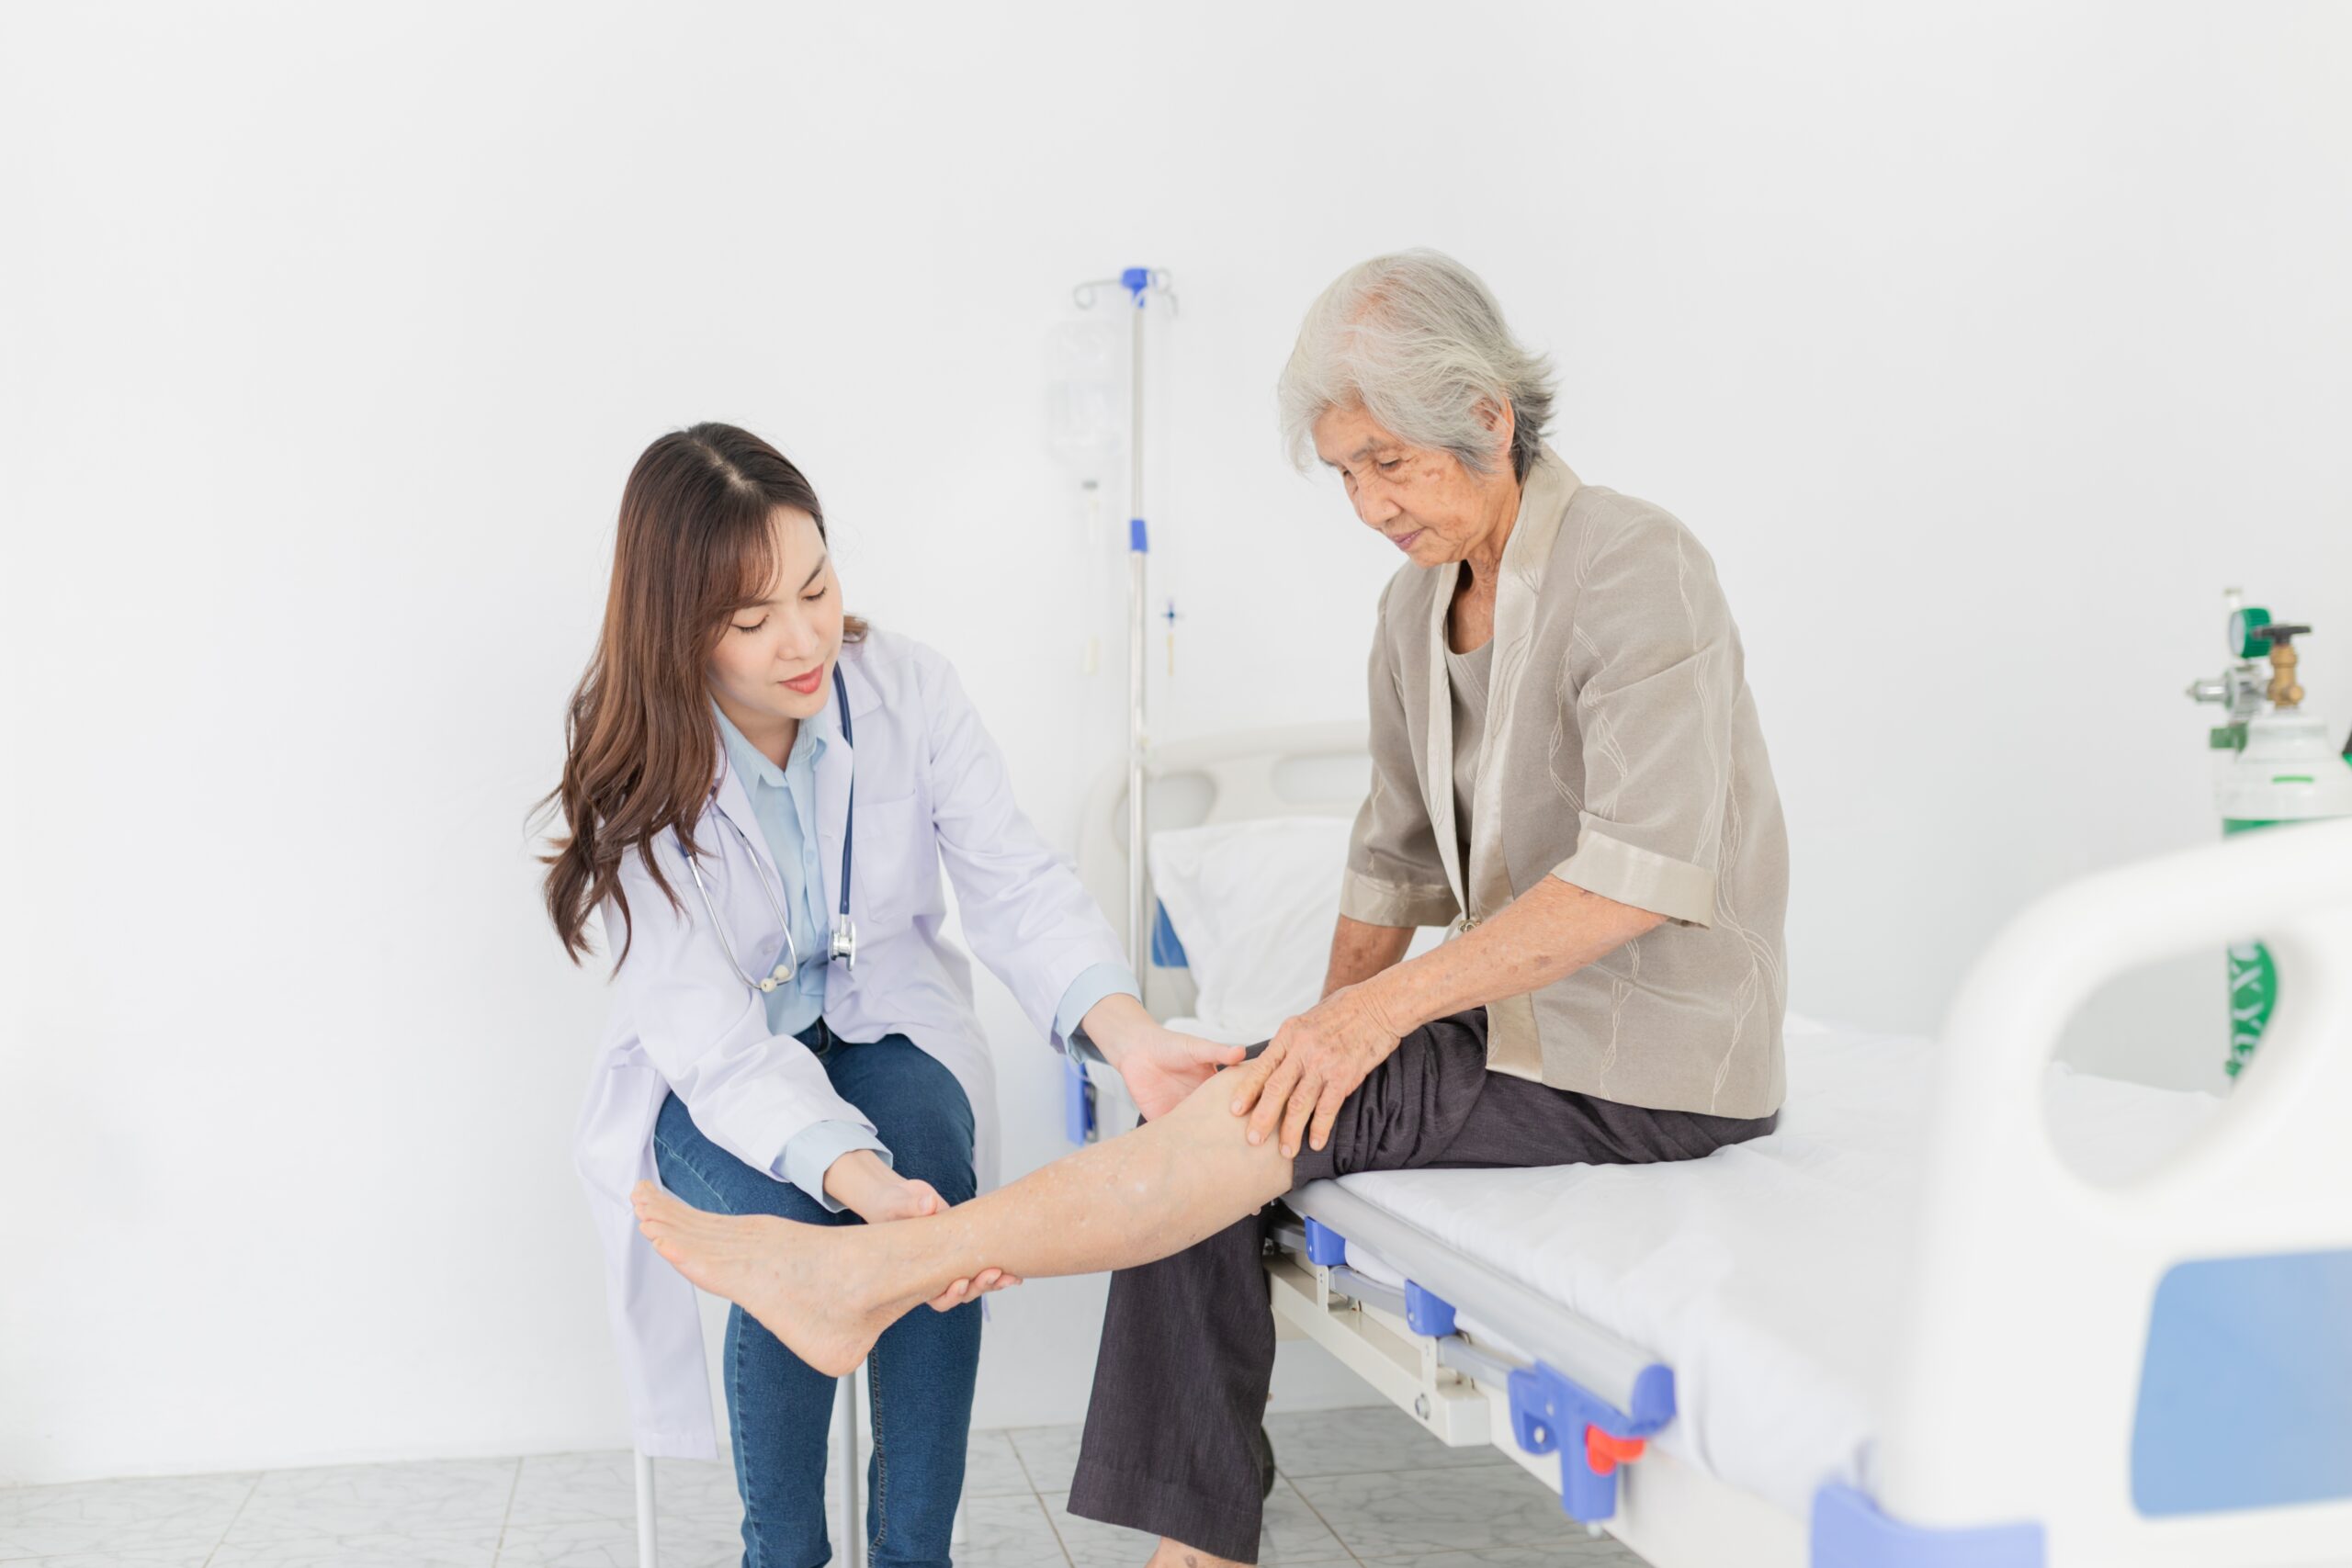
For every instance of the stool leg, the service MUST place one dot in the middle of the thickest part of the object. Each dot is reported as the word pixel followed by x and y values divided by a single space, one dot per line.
pixel 648 1548
pixel 851 1551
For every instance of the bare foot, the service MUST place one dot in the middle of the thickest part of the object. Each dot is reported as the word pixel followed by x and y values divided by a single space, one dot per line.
pixel 783 1274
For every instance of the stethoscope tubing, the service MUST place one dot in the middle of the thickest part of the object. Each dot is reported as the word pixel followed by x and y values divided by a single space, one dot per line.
pixel 845 934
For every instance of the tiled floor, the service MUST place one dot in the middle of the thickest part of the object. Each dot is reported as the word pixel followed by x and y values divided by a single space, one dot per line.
pixel 1357 1486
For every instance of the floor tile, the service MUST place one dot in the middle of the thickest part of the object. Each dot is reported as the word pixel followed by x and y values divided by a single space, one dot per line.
pixel 603 1485
pixel 1010 1531
pixel 434 1514
pixel 1380 1516
pixel 1291 1533
pixel 687 1541
pixel 1049 1453
pixel 414 1547
pixel 1573 1550
pixel 166 1516
pixel 1365 1438
pixel 992 1469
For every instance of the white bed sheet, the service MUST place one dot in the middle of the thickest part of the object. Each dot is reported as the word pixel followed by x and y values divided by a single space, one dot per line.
pixel 1766 1275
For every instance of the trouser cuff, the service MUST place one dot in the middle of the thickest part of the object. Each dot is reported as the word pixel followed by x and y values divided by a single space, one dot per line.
pixel 1222 1526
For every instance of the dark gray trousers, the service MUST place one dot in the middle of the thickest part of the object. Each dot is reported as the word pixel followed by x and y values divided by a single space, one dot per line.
pixel 1188 1342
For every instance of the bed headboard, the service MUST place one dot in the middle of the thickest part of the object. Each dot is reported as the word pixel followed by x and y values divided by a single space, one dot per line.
pixel 1309 769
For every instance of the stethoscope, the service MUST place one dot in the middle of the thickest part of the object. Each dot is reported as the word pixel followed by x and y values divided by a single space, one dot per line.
pixel 844 930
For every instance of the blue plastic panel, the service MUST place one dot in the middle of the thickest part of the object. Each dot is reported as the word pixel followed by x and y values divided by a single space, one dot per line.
pixel 1849 1532
pixel 1166 950
pixel 1078 1103
pixel 2246 1389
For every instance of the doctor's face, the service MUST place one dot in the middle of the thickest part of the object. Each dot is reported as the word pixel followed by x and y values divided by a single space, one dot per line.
pixel 1419 498
pixel 774 660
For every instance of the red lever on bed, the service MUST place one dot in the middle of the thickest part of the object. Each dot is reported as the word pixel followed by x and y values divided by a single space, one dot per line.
pixel 1605 1453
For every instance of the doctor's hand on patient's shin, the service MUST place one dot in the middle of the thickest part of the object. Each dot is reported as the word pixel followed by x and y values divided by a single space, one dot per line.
pixel 862 1183
pixel 1314 1062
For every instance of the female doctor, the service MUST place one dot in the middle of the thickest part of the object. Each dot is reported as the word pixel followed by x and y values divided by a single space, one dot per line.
pixel 760 791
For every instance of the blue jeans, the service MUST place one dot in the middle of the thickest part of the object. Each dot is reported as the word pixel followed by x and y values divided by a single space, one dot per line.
pixel 919 1379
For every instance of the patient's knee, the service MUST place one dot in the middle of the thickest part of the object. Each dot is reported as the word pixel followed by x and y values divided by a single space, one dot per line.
pixel 1212 1103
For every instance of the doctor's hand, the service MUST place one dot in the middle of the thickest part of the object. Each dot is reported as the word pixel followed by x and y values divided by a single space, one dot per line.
pixel 1160 1066
pixel 864 1183
pixel 1313 1063
pixel 861 1182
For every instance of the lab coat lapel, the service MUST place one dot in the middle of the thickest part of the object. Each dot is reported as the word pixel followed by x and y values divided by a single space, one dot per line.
pixel 1437 765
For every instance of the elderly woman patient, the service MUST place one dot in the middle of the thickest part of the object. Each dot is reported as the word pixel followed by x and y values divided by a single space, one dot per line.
pixel 1566 762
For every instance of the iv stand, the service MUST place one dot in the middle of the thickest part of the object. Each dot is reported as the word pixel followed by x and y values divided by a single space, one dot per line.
pixel 1140 282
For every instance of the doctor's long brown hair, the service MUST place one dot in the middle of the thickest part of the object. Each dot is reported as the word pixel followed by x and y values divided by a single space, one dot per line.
pixel 641 747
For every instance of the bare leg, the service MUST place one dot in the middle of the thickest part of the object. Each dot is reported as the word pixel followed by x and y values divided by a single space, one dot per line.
pixel 829 1293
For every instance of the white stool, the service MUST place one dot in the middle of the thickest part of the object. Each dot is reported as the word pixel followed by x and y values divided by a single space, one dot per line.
pixel 851 1482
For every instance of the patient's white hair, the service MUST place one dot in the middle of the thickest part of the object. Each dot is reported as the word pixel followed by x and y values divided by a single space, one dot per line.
pixel 1416 341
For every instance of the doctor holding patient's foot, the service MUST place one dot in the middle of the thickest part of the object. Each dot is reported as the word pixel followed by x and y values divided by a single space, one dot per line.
pixel 1567 769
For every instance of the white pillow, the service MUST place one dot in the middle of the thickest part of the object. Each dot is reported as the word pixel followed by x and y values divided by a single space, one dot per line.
pixel 1254 904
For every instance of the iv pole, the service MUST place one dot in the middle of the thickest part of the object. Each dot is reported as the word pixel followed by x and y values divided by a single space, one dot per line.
pixel 1140 282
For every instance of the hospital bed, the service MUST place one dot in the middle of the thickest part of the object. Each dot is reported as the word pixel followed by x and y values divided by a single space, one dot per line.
pixel 1963 1309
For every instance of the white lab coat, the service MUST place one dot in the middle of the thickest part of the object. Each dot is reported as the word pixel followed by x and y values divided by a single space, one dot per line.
pixel 930 786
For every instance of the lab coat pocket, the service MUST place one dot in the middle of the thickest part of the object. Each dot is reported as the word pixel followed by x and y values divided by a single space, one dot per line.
pixel 895 876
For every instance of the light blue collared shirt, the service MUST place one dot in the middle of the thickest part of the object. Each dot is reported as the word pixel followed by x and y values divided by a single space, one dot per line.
pixel 784 801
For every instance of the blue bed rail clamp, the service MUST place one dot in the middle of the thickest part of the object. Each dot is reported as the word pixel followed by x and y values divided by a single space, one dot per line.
pixel 1848 1531
pixel 1548 1407
pixel 1325 1245
pixel 1426 1312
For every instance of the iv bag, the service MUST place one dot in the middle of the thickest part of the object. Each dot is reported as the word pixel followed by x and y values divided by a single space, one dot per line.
pixel 1086 397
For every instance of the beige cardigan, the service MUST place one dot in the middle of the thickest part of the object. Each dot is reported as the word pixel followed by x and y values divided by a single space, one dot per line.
pixel 1622 754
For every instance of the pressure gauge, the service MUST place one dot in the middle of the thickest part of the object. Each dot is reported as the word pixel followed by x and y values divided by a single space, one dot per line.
pixel 2243 624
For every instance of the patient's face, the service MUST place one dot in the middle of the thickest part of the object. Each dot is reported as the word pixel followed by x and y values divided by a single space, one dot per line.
pixel 774 660
pixel 1419 498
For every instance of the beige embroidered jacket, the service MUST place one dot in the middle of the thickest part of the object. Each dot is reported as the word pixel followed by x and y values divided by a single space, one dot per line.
pixel 1621 753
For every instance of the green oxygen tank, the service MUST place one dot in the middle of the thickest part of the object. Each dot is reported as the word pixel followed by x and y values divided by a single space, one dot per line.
pixel 2274 764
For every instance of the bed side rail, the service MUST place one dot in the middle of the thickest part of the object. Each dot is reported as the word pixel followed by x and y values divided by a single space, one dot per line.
pixel 1568 1385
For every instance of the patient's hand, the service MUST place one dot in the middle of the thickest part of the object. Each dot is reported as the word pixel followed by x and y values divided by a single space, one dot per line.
pixel 1314 1062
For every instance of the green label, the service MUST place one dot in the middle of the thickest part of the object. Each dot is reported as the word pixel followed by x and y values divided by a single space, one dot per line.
pixel 2254 992
pixel 2254 979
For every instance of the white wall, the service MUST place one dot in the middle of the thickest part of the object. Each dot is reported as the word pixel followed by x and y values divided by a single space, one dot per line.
pixel 1984 345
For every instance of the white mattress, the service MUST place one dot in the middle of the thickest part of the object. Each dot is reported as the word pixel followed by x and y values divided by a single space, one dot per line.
pixel 1767 1274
